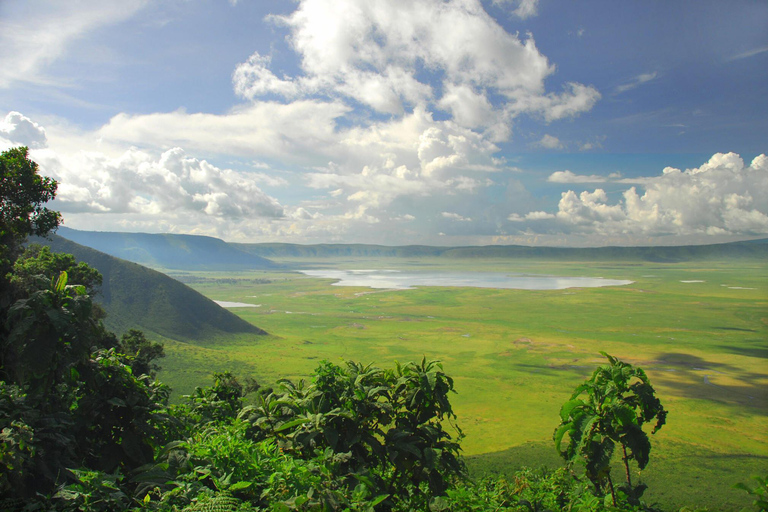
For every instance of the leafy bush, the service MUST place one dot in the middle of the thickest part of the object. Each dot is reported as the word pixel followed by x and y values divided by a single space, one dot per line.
pixel 759 492
pixel 388 425
pixel 609 408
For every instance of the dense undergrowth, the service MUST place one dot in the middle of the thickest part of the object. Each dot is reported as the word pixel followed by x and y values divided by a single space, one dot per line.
pixel 84 424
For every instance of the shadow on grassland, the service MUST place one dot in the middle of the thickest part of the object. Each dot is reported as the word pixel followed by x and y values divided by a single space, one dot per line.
pixel 678 474
pixel 693 377
pixel 759 351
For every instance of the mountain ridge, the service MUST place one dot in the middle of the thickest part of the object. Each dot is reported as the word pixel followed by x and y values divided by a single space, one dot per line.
pixel 747 249
pixel 135 296
pixel 181 252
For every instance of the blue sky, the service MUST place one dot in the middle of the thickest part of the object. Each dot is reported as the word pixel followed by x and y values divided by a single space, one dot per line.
pixel 396 122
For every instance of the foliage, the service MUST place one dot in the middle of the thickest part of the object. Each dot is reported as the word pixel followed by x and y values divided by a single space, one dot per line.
pixel 94 491
pixel 222 401
pixel 529 490
pixel 39 262
pixel 23 192
pixel 386 426
pixel 759 492
pixel 142 353
pixel 50 332
pixel 73 416
pixel 609 408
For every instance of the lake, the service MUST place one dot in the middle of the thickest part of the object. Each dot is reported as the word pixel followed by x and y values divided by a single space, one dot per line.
pixel 394 279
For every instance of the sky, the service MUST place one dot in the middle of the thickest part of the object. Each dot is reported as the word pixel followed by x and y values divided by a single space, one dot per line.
pixel 396 122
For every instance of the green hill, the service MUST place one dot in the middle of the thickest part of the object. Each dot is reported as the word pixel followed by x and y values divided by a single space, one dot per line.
pixel 182 252
pixel 138 297
pixel 670 254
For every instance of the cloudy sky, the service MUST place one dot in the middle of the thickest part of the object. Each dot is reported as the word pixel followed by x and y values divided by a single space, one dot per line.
pixel 446 122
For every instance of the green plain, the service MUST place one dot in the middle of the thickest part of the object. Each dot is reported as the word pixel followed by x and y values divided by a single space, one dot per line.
pixel 700 330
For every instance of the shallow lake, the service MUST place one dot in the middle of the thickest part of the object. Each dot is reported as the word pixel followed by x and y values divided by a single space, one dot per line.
pixel 229 304
pixel 393 279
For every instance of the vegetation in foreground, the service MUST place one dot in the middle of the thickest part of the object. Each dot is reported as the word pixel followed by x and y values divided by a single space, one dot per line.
pixel 84 425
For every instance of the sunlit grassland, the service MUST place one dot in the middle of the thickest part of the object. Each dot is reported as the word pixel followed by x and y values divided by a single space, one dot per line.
pixel 516 355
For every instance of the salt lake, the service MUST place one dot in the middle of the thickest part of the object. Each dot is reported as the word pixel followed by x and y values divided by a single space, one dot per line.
pixel 397 280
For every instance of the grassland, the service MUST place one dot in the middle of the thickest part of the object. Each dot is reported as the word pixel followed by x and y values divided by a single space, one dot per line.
pixel 700 330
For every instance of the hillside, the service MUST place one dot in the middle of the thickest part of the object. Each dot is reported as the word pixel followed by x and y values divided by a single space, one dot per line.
pixel 138 297
pixel 182 252
pixel 749 249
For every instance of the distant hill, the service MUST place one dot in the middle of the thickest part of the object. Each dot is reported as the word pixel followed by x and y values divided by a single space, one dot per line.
pixel 182 252
pixel 749 249
pixel 138 297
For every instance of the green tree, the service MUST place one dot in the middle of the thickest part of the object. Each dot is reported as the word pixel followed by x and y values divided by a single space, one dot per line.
pixel 38 264
pixel 610 408
pixel 67 398
pixel 23 192
pixel 142 353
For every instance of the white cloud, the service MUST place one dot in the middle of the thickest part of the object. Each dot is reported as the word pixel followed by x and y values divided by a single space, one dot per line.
pixel 372 52
pixel 265 129
pixel 455 216
pixel 302 214
pixel 521 8
pixel 637 81
pixel 750 53
pixel 569 177
pixel 721 197
pixel 139 183
pixel 19 130
pixel 252 79
pixel 575 99
pixel 539 216
pixel 28 44
pixel 549 142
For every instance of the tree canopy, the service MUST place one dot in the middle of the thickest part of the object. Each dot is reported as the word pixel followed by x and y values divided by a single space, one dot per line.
pixel 23 194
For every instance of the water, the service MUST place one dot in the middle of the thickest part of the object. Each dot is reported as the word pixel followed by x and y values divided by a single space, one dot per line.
pixel 395 280
pixel 228 304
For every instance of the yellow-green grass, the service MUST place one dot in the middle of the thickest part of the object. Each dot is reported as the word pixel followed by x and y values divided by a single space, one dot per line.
pixel 516 355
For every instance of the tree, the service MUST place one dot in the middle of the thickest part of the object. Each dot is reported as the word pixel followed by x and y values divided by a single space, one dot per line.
pixel 39 262
pixel 23 192
pixel 611 407
pixel 142 353
pixel 67 398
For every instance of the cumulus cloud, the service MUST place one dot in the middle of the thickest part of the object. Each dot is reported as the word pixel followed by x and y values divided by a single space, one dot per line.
pixel 375 53
pixel 265 129
pixel 549 142
pixel 722 197
pixel 569 177
pixel 538 215
pixel 450 77
pixel 252 79
pixel 27 45
pixel 455 216
pixel 521 8
pixel 138 183
pixel 19 130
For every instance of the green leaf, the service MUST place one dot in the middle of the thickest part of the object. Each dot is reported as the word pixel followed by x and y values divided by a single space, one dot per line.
pixel 239 486
pixel 568 407
pixel 378 499
pixel 292 423
pixel 559 434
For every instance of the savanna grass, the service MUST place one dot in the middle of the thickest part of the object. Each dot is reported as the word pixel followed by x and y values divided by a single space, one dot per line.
pixel 699 330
